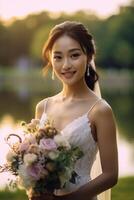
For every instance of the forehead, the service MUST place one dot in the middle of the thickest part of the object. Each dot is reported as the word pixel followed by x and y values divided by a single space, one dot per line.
pixel 65 43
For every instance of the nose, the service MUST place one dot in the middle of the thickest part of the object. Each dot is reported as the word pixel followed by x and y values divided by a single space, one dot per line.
pixel 66 64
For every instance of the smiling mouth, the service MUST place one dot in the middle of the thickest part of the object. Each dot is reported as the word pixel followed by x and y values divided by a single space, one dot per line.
pixel 68 74
pixel 73 72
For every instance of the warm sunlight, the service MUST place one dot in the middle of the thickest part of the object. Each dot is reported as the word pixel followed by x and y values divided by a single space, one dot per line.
pixel 17 8
pixel 8 126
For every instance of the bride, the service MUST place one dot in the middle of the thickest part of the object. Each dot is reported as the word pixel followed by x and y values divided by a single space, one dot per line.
pixel 79 113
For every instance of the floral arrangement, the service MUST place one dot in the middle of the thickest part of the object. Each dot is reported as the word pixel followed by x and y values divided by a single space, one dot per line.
pixel 42 160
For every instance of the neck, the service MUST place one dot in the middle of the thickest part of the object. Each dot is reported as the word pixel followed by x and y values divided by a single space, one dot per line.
pixel 77 91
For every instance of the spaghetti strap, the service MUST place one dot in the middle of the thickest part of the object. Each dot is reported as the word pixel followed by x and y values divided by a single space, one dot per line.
pixel 45 105
pixel 94 105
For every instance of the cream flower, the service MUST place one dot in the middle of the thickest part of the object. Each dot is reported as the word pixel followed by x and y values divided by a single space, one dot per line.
pixel 30 158
pixel 53 154
pixel 60 141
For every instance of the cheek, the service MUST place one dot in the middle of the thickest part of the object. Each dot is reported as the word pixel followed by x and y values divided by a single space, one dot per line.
pixel 57 68
pixel 55 65
pixel 81 64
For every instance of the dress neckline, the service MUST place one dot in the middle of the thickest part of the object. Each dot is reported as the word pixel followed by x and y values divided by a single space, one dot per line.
pixel 75 119
pixel 85 115
pixel 70 124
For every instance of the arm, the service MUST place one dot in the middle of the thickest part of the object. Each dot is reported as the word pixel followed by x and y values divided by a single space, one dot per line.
pixel 106 136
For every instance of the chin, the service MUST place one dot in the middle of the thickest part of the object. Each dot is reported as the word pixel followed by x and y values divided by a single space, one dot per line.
pixel 70 82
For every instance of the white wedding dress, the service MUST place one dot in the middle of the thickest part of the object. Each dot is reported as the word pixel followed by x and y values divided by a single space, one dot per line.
pixel 78 133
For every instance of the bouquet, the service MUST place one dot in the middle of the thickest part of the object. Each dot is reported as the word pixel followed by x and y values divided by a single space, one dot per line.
pixel 42 160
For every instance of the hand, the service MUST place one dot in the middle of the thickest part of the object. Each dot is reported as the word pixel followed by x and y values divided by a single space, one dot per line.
pixel 46 196
pixel 64 197
pixel 72 196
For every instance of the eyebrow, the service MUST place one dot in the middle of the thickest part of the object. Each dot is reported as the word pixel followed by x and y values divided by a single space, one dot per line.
pixel 70 51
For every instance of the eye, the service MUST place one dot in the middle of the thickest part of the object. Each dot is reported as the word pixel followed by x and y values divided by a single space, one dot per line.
pixel 57 58
pixel 75 55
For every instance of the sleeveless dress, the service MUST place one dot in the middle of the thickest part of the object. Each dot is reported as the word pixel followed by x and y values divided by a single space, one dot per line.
pixel 78 133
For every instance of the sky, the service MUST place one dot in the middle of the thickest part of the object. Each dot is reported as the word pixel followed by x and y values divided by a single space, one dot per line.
pixel 21 8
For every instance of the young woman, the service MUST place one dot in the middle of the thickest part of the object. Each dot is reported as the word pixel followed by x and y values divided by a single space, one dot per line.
pixel 79 112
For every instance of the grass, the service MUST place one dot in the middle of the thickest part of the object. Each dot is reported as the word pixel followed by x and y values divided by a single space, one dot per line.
pixel 124 190
pixel 17 195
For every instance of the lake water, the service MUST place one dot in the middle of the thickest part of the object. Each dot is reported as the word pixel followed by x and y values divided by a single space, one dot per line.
pixel 20 94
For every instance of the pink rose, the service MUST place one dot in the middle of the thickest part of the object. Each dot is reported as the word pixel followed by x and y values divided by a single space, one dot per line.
pixel 48 144
pixel 35 171
pixel 24 146
pixel 30 139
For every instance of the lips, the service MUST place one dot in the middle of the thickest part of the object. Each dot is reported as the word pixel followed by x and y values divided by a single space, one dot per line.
pixel 68 74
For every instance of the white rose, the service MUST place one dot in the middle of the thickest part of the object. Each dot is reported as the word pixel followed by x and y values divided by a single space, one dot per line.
pixel 60 141
pixel 53 154
pixel 30 158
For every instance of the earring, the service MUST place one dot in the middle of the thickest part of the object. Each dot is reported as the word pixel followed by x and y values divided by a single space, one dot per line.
pixel 53 77
pixel 88 69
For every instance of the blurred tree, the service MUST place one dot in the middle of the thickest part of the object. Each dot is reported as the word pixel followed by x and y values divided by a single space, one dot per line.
pixel 4 44
pixel 113 36
pixel 20 39
pixel 39 38
pixel 116 40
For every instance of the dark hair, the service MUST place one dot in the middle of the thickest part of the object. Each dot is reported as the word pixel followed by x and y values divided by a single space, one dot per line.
pixel 78 32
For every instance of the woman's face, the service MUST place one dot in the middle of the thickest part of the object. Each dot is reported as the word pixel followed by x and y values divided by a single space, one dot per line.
pixel 68 60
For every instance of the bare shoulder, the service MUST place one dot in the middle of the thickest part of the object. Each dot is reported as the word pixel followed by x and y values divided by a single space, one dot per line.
pixel 103 107
pixel 40 108
pixel 102 110
pixel 104 121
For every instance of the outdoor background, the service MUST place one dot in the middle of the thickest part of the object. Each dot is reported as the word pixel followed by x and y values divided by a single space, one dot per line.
pixel 24 28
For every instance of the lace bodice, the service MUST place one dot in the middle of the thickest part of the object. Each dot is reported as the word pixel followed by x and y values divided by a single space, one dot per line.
pixel 78 133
